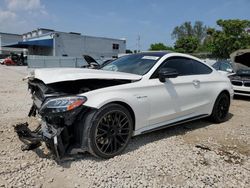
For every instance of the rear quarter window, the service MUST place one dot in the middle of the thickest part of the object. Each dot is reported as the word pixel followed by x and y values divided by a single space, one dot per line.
pixel 200 68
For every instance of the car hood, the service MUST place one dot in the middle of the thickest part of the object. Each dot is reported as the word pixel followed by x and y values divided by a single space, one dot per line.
pixel 241 59
pixel 53 75
pixel 241 63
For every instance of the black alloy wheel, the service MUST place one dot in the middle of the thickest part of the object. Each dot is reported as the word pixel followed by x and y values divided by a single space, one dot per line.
pixel 111 131
pixel 221 108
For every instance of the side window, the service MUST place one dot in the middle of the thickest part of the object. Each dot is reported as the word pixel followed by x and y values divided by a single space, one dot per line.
pixel 182 65
pixel 200 68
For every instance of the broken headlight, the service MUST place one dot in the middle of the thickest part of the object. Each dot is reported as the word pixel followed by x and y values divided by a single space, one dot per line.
pixel 62 104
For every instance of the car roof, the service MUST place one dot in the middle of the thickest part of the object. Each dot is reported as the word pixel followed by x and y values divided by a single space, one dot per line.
pixel 155 53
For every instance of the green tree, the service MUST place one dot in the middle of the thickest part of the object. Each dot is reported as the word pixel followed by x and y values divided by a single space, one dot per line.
pixel 159 46
pixel 187 44
pixel 232 36
pixel 185 30
pixel 200 31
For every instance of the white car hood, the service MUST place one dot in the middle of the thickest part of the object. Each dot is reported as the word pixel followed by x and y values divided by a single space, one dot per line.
pixel 53 75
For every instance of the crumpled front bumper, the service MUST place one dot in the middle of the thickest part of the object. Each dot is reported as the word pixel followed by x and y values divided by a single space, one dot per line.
pixel 63 132
pixel 43 133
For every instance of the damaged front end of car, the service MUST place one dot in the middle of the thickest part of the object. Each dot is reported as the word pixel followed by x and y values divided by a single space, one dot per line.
pixel 58 114
pixel 59 106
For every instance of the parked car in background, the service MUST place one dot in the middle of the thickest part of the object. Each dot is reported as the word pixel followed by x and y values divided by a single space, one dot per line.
pixel 99 110
pixel 224 67
pixel 2 61
pixel 2 58
pixel 95 64
pixel 15 59
pixel 8 61
pixel 241 79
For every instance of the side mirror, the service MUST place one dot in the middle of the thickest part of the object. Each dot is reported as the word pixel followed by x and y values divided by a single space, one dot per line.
pixel 167 73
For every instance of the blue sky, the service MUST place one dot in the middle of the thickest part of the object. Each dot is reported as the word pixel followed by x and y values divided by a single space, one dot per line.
pixel 152 20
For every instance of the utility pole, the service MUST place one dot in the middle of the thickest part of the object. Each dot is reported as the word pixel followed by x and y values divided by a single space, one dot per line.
pixel 138 43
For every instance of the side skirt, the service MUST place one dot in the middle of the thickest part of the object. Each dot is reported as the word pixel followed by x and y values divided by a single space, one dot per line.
pixel 175 123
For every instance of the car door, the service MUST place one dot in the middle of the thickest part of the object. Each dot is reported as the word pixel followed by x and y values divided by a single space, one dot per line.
pixel 204 87
pixel 177 98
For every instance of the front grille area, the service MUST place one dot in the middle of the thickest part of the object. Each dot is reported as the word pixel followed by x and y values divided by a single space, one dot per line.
pixel 237 83
pixel 247 84
pixel 241 83
pixel 243 92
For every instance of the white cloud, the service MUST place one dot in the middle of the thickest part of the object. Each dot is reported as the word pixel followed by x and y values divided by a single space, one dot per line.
pixel 10 22
pixel 19 16
pixel 19 5
pixel 6 16
pixel 32 7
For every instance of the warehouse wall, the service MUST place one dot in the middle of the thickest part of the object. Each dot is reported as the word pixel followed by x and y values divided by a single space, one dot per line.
pixel 70 44
pixel 77 45
pixel 5 39
pixel 46 51
pixel 41 50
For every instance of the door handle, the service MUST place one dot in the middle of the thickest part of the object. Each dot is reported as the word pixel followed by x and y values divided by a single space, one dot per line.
pixel 196 82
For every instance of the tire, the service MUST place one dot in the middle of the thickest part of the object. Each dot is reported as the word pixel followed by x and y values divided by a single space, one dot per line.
pixel 110 131
pixel 220 109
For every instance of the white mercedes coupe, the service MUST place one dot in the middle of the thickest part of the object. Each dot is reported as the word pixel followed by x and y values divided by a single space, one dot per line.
pixel 99 110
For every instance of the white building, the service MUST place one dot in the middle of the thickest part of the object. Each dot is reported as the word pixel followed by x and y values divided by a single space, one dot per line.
pixel 48 42
pixel 8 38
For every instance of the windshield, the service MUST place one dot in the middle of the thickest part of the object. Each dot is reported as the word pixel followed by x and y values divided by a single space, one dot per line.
pixel 223 66
pixel 135 64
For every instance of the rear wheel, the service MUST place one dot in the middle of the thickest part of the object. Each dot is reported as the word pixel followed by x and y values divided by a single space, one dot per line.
pixel 221 108
pixel 110 131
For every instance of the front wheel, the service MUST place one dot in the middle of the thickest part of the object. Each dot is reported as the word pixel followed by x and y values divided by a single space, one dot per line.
pixel 110 131
pixel 221 108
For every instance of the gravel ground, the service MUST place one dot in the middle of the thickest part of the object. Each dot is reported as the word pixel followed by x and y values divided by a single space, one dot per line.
pixel 197 154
